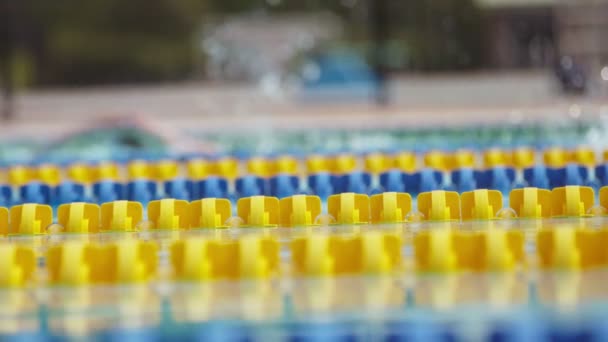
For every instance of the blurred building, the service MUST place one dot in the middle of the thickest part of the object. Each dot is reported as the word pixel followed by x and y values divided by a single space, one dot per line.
pixel 582 31
pixel 519 33
pixel 534 33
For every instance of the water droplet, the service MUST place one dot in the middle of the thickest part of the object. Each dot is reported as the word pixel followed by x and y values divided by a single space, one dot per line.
pixel 234 222
pixel 55 228
pixel 506 214
pixel 144 225
pixel 597 210
pixel 414 216
pixel 325 220
pixel 604 73
pixel 575 111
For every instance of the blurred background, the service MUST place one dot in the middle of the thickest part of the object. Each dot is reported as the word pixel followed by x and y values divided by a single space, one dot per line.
pixel 65 62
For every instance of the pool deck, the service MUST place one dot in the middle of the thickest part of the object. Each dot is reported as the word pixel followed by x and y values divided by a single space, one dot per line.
pixel 416 100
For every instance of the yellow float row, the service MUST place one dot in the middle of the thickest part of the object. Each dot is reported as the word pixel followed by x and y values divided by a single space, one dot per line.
pixel 230 168
pixel 86 173
pixel 561 247
pixel 131 261
pixel 315 254
pixel 448 161
pixel 518 158
pixel 28 219
pixel 302 210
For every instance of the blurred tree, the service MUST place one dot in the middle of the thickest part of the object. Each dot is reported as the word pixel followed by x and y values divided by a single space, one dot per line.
pixel 234 6
pixel 7 49
pixel 102 41
pixel 98 41
pixel 440 34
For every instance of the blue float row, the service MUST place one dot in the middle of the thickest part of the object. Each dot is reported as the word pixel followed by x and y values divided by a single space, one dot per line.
pixel 416 330
pixel 505 179
pixel 320 184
